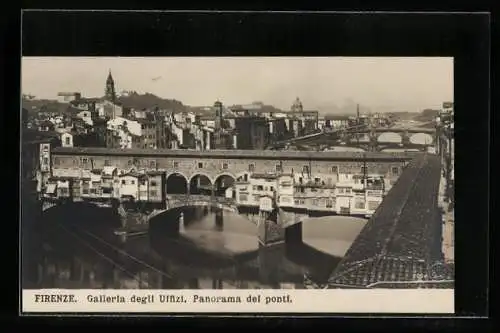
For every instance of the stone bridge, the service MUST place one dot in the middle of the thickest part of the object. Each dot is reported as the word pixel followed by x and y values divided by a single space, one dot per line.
pixel 186 170
pixel 379 136
pixel 180 200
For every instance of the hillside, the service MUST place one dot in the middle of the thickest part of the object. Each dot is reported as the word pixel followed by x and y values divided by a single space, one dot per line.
pixel 404 115
pixel 150 101
pixel 426 115
pixel 133 100
pixel 47 105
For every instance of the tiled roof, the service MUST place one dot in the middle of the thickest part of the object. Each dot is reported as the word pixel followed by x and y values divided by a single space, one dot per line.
pixel 233 153
pixel 398 242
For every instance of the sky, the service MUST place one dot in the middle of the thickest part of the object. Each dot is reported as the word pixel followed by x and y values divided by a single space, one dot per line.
pixel 326 83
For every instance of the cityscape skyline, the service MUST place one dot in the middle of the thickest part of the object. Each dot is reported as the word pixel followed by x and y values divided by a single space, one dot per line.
pixel 330 85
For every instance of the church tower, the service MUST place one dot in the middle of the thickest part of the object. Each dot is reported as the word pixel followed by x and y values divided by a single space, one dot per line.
pixel 110 93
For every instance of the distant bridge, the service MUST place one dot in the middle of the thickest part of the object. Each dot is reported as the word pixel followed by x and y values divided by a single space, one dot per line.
pixel 326 134
pixel 425 130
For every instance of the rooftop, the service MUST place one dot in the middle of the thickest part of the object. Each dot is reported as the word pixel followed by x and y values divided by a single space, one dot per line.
pixel 398 242
pixel 233 153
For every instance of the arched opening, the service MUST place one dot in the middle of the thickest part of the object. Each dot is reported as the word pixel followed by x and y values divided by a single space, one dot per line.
pixel 423 139
pixel 389 137
pixel 176 184
pixel 200 184
pixel 222 184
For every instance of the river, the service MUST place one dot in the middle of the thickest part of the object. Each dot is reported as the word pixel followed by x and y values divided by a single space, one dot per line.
pixel 213 249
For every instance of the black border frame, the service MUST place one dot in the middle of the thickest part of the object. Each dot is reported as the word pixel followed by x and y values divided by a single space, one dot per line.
pixel 466 37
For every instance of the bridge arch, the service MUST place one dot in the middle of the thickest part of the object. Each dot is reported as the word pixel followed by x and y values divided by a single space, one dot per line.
pixel 222 182
pixel 176 183
pixel 390 137
pixel 200 183
pixel 421 139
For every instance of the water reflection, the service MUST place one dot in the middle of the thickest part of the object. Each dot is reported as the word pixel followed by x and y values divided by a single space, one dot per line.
pixel 196 248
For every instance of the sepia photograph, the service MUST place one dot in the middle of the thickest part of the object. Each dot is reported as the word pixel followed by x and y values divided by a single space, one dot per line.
pixel 235 173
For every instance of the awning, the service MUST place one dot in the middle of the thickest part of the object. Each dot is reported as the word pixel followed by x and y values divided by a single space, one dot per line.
pixel 51 188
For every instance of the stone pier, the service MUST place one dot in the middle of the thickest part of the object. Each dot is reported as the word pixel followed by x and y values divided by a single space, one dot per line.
pixel 132 221
pixel 270 230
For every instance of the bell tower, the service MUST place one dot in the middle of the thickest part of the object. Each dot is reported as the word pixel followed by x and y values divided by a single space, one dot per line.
pixel 110 93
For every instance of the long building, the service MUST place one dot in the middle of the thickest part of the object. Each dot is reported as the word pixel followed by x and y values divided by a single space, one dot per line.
pixel 192 165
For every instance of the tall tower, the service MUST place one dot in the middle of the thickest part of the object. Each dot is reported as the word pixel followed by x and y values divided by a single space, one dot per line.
pixel 110 93
pixel 219 117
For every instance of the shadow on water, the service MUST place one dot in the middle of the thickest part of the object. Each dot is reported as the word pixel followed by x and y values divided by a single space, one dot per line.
pixel 209 245
pixel 319 264
pixel 186 247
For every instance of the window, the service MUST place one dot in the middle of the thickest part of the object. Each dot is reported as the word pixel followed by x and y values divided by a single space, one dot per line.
pixel 254 188
pixel 395 170
pixel 124 182
pixel 152 164
pixel 360 204
pixel 129 162
pixel 225 166
pixel 243 197
pixel 84 160
pixel 335 169
pixel 317 180
pixel 45 160
pixel 315 202
pixel 68 140
pixel 176 164
pixel 153 183
pixel 200 165
pixel 329 203
pixel 153 193
pixel 279 168
pixel 271 188
pixel 132 182
pixel 305 169
pixel 260 188
pixel 107 163
pixel 364 170
pixel 251 167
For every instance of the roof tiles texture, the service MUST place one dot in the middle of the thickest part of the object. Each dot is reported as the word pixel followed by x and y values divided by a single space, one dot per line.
pixel 397 243
pixel 251 154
